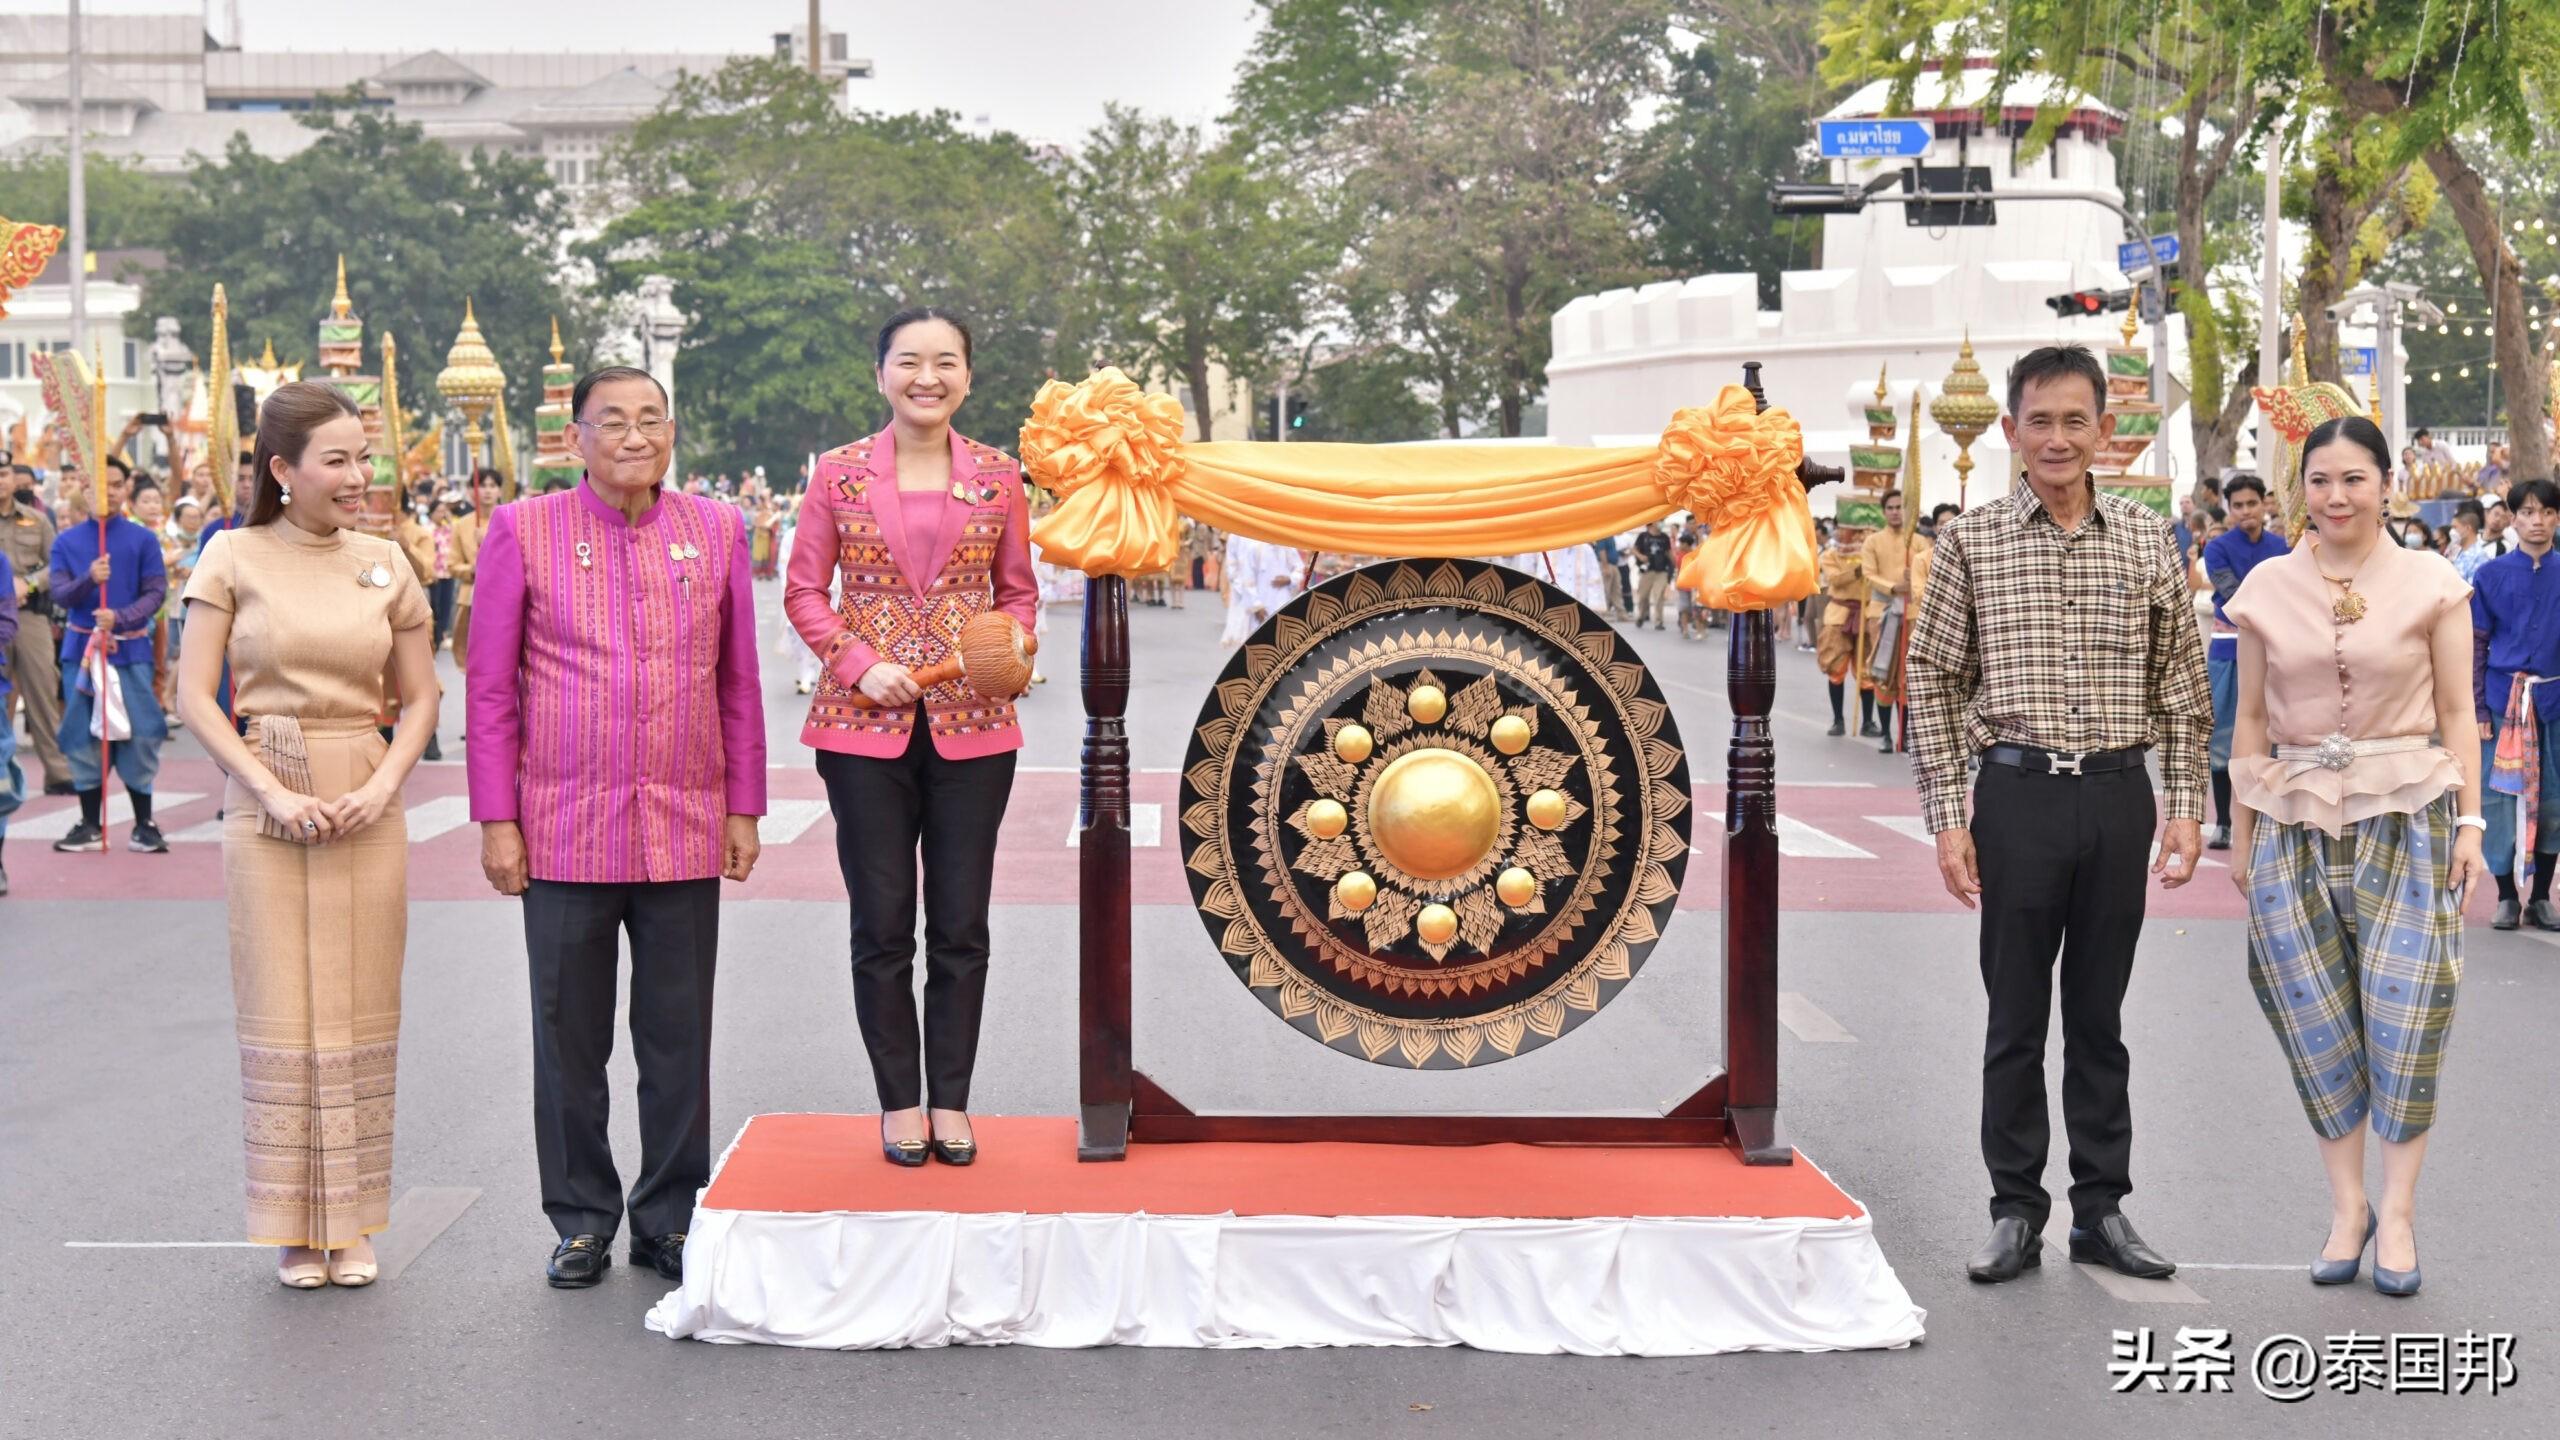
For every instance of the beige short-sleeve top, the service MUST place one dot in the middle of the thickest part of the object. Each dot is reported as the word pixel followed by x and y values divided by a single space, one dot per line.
pixel 310 635
pixel 2369 680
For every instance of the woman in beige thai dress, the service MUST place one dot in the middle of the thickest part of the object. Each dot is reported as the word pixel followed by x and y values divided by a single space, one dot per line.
pixel 311 613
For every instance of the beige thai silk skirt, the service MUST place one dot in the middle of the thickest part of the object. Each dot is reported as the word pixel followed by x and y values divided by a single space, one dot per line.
pixel 318 933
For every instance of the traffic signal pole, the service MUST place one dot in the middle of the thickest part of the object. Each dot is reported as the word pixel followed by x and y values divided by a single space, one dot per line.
pixel 1849 199
pixel 1280 412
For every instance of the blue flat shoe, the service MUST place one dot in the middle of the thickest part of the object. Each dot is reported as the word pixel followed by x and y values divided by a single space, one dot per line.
pixel 2343 1272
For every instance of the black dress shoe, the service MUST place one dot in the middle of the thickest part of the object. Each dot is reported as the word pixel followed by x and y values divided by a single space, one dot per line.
pixel 2540 915
pixel 2510 915
pixel 579 1261
pixel 1837 728
pixel 662 1253
pixel 1869 730
pixel 2221 838
pixel 2012 1249
pixel 955 1152
pixel 2112 1243
pixel 906 1154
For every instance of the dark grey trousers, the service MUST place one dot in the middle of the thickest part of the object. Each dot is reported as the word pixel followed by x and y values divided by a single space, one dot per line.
pixel 572 935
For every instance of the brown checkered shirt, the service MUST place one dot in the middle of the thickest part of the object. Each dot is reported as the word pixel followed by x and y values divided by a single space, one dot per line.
pixel 2068 641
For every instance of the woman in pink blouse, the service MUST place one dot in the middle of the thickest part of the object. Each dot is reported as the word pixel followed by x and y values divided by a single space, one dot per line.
pixel 922 528
pixel 2362 830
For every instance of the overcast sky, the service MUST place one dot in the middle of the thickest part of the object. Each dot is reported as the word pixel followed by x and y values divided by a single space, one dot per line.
pixel 1044 68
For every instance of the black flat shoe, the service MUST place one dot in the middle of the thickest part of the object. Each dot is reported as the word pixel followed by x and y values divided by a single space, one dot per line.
pixel 2221 838
pixel 662 1253
pixel 2541 916
pixel 2012 1250
pixel 2510 915
pixel 954 1152
pixel 2113 1243
pixel 1837 728
pixel 578 1262
pixel 906 1154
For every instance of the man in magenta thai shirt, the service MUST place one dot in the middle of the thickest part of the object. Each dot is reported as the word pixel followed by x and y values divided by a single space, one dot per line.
pixel 617 769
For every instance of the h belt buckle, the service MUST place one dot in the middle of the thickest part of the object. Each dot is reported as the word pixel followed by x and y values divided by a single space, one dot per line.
pixel 2065 764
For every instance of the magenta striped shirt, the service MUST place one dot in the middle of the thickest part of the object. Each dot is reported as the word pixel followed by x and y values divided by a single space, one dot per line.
pixel 614 705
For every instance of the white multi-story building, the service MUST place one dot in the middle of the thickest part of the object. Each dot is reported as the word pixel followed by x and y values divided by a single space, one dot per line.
pixel 160 92
pixel 1890 293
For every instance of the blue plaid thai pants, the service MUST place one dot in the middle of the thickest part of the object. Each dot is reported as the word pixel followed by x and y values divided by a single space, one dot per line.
pixel 2355 950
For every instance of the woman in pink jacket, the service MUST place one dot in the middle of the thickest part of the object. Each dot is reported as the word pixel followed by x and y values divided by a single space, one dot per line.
pixel 922 528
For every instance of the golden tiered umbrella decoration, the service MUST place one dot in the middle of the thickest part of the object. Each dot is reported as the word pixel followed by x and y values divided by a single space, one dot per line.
pixel 471 382
pixel 1964 409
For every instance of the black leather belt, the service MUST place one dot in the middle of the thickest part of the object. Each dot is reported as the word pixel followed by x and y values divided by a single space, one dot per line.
pixel 2037 761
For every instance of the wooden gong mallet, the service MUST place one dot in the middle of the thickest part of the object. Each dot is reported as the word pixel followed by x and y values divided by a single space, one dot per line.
pixel 992 652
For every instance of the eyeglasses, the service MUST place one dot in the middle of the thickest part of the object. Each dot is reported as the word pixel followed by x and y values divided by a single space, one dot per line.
pixel 614 432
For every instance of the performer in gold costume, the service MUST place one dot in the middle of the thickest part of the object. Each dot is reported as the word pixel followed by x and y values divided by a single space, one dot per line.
pixel 1893 564
pixel 1837 648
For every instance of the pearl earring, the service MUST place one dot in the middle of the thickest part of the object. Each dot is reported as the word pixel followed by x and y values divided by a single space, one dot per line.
pixel 287 492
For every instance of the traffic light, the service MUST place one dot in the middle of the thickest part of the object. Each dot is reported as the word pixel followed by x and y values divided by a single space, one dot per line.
pixel 1268 417
pixel 2090 302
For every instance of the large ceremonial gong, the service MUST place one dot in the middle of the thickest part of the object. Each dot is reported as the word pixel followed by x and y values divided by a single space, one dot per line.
pixel 1435 813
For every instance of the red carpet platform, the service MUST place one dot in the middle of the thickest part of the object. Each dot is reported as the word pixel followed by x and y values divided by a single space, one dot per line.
pixel 806 1237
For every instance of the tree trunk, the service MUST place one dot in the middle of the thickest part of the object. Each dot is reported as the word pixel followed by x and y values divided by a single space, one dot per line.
pixel 1195 374
pixel 2512 342
pixel 2218 435
pixel 2212 424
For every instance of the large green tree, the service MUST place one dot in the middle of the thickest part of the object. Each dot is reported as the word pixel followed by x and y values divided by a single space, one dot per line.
pixel 1481 152
pixel 127 208
pixel 2186 71
pixel 793 229
pixel 1733 123
pixel 1192 257
pixel 2452 81
pixel 422 230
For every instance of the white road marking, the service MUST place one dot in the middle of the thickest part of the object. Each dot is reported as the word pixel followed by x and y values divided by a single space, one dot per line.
pixel 2202 1265
pixel 1146 826
pixel 164 1245
pixel 1805 1021
pixel 52 825
pixel 418 1217
pixel 2171 1291
pixel 203 832
pixel 1909 827
pixel 1802 841
pixel 435 817
pixel 787 820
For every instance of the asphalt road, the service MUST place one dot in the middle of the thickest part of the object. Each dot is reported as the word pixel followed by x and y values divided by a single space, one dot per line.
pixel 119 1117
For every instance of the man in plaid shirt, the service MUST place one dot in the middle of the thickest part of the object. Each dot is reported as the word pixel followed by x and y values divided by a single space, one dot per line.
pixel 2056 644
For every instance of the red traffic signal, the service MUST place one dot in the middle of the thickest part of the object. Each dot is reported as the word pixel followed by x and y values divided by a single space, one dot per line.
pixel 2090 302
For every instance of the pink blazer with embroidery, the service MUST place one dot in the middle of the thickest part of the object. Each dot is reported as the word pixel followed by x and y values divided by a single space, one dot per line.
pixel 897 604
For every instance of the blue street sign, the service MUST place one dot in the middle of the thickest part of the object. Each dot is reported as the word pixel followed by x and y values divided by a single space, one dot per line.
pixel 2159 250
pixel 1873 139
pixel 2356 361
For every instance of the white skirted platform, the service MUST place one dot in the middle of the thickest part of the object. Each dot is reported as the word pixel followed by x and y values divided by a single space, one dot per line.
pixel 806 1237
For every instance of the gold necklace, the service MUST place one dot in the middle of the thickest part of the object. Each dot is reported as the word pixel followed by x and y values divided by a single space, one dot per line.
pixel 2348 608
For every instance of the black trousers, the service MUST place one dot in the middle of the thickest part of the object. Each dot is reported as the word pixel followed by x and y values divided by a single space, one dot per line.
pixel 2064 864
pixel 886 811
pixel 571 936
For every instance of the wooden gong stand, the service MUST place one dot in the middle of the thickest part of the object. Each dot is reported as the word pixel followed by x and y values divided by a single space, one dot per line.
pixel 1737 1106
